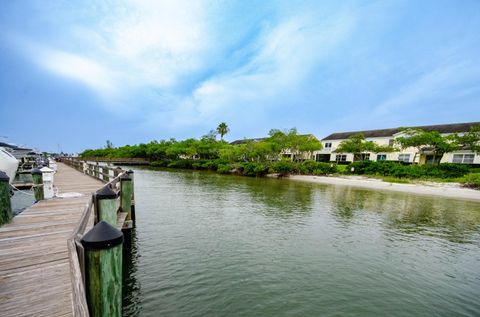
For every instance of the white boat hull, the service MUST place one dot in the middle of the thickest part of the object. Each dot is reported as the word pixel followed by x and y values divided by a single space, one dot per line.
pixel 8 163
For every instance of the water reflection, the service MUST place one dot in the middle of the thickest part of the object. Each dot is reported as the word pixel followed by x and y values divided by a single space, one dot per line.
pixel 130 285
pixel 455 220
pixel 281 198
pixel 213 245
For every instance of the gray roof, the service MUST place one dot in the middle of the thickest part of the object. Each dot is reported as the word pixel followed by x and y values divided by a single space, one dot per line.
pixel 442 128
pixel 243 141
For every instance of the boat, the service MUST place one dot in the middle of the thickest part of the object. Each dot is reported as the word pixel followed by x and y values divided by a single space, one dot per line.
pixel 8 163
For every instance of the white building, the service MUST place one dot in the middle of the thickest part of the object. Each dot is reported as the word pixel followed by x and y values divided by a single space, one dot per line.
pixel 387 137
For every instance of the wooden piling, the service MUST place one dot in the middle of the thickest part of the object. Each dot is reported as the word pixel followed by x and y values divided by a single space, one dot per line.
pixel 130 174
pixel 126 190
pixel 37 184
pixel 5 203
pixel 116 171
pixel 103 270
pixel 106 201
pixel 96 171
pixel 105 173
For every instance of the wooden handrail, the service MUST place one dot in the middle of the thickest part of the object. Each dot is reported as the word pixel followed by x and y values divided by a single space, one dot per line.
pixel 113 159
pixel 94 170
pixel 77 276
pixel 76 253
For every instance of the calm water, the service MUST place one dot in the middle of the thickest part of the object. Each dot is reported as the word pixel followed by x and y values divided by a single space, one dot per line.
pixel 213 245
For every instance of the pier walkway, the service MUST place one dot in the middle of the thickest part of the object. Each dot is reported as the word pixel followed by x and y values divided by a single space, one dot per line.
pixel 34 264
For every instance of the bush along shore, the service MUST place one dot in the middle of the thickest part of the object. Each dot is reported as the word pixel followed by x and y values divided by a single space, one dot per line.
pixel 270 155
pixel 387 170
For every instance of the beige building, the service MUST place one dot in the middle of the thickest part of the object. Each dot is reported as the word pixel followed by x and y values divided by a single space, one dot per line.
pixel 387 137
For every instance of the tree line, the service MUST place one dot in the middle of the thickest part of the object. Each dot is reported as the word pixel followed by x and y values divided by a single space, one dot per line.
pixel 208 147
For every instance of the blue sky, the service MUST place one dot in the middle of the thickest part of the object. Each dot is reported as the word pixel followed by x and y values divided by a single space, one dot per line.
pixel 76 73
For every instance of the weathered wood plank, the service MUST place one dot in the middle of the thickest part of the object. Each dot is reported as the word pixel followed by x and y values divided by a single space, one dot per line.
pixel 35 265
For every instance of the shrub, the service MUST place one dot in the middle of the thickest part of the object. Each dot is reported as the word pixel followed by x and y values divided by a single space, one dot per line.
pixel 210 165
pixel 400 170
pixel 224 169
pixel 187 164
pixel 159 163
pixel 284 167
pixel 472 180
pixel 254 169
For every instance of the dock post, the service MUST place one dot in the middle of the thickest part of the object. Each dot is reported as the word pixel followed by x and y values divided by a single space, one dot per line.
pixel 5 203
pixel 116 171
pixel 103 270
pixel 106 200
pixel 126 190
pixel 37 184
pixel 96 171
pixel 104 177
pixel 131 175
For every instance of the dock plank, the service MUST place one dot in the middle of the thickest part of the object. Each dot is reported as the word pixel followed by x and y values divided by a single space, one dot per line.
pixel 34 264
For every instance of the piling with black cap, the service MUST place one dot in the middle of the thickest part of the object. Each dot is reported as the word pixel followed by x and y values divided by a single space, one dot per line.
pixel 37 183
pixel 106 201
pixel 131 174
pixel 126 189
pixel 5 203
pixel 103 270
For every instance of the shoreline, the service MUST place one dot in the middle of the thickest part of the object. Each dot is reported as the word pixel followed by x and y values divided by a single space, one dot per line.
pixel 447 190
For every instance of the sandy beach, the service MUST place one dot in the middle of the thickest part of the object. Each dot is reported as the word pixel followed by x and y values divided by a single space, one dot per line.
pixel 449 190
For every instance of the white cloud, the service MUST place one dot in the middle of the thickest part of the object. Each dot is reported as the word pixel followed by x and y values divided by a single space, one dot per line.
pixel 288 54
pixel 82 69
pixel 159 42
pixel 159 45
pixel 426 88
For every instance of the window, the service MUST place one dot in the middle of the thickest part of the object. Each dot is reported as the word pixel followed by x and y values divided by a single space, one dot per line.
pixel 365 156
pixel 468 158
pixel 391 142
pixel 404 157
pixel 328 145
pixel 463 158
pixel 322 157
pixel 381 157
pixel 341 158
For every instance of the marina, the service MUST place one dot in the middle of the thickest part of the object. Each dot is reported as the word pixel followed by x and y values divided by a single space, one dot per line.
pixel 239 158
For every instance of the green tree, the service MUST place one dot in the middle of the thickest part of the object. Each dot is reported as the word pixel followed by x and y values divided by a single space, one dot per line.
pixel 356 144
pixel 431 141
pixel 222 129
pixel 469 140
pixel 283 141
pixel 109 145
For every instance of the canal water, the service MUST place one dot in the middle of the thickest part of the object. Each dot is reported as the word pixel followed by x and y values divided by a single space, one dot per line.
pixel 214 245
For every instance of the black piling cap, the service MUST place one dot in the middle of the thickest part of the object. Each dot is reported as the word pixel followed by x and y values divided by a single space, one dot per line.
pixel 4 177
pixel 36 171
pixel 106 193
pixel 102 236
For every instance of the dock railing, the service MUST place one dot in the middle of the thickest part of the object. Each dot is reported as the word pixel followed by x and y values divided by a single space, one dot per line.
pixel 120 184
pixel 104 173
pixel 114 160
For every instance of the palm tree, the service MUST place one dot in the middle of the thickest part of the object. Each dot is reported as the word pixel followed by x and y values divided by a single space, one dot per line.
pixel 222 129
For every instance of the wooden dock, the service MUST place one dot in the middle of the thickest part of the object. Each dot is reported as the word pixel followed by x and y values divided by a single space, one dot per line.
pixel 34 264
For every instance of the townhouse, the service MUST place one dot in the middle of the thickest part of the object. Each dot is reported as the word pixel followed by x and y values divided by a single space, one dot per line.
pixel 386 137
